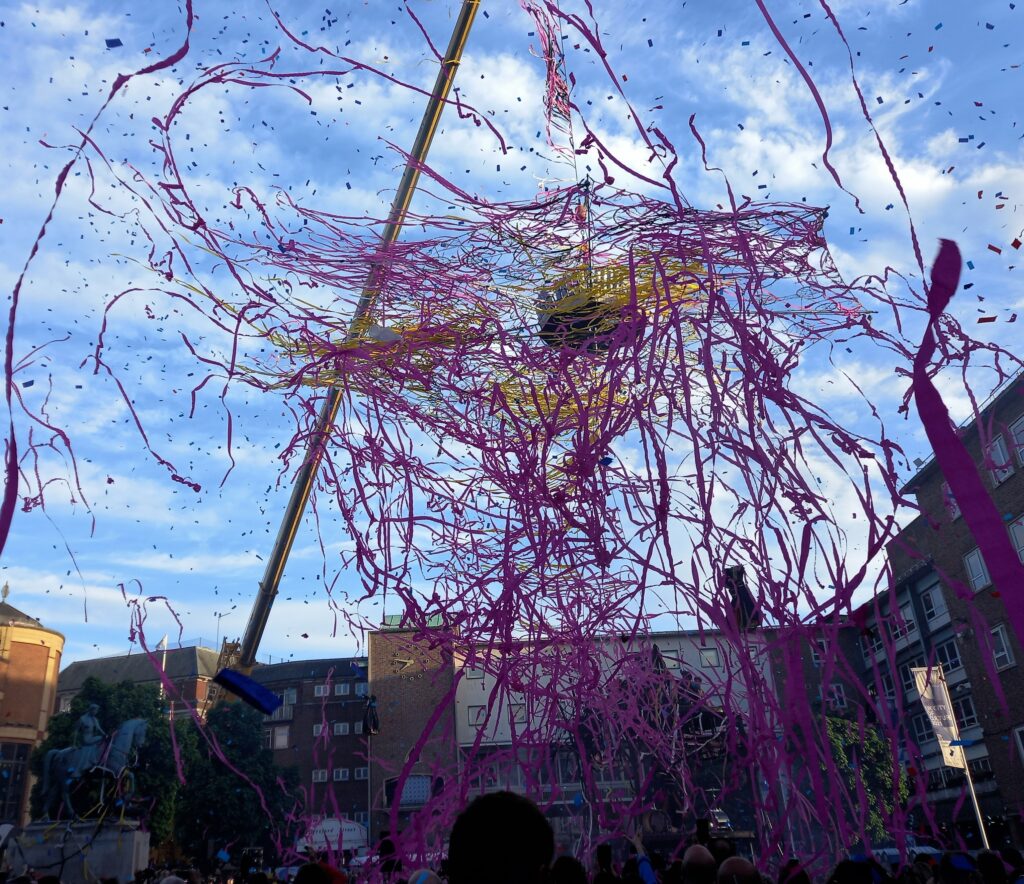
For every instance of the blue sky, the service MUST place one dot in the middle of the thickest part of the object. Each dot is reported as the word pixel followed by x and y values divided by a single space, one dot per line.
pixel 941 78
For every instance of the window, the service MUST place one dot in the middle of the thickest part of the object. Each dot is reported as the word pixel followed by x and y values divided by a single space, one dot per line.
pixel 321 690
pixel 964 712
pixel 342 689
pixel 320 775
pixel 952 507
pixel 518 713
pixel 340 774
pixel 268 738
pixel 65 704
pixel 888 686
pixel 907 677
pixel 362 817
pixel 948 654
pixel 928 604
pixel 921 728
pixel 709 658
pixel 1017 536
pixel 1019 734
pixel 981 768
pixel 318 730
pixel 999 462
pixel 289 696
pixel 282 735
pixel 903 623
pixel 1017 432
pixel 977 572
pixel 1001 650
pixel 341 728
pixel 477 714
pixel 362 773
pixel 362 689
pixel 835 697
pixel 357 728
pixel 474 673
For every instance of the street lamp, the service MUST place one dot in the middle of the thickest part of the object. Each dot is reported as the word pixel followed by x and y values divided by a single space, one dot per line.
pixel 219 618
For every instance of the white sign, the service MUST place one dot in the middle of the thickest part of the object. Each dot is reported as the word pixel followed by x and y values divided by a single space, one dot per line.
pixel 931 685
pixel 330 832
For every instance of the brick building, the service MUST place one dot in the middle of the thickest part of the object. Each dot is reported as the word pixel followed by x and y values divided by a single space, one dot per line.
pixel 29 663
pixel 413 685
pixel 190 669
pixel 945 611
pixel 319 730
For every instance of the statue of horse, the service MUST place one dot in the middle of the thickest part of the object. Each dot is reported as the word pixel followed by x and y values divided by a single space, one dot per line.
pixel 62 768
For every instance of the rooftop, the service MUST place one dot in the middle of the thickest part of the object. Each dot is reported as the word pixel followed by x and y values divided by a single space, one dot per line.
pixel 138 668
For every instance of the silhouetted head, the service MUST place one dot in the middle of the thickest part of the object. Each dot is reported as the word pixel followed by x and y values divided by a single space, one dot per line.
pixel 991 867
pixel 568 870
pixel 699 865
pixel 736 870
pixel 604 857
pixel 500 838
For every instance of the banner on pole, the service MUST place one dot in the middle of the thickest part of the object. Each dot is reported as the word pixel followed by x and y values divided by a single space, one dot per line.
pixel 931 685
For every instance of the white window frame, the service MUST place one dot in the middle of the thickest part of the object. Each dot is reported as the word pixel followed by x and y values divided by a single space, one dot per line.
pixel 1001 647
pixel 319 774
pixel 341 774
pixel 709 657
pixel 362 689
pixel 318 729
pixel 949 501
pixel 517 713
pixel 929 594
pixel 907 677
pixel 903 624
pixel 1017 536
pixel 965 718
pixel 268 738
pixel 321 690
pixel 999 461
pixel 888 685
pixel 342 689
pixel 1017 434
pixel 947 668
pixel 476 715
pixel 362 773
pixel 1018 732
pixel 977 570
pixel 834 697
pixel 282 736
pixel 289 696
pixel 357 727
pixel 341 728
pixel 921 729
pixel 472 672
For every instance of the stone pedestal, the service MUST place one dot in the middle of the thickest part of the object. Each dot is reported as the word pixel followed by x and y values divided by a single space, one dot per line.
pixel 81 852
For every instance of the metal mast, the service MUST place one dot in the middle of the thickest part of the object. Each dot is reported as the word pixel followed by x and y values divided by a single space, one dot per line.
pixel 328 412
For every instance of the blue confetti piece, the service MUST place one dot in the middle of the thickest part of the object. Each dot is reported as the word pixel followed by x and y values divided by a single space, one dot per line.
pixel 113 43
pixel 938 27
pixel 223 855
pixel 970 265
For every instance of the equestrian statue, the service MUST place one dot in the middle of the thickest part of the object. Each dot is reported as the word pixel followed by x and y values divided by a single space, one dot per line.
pixel 92 754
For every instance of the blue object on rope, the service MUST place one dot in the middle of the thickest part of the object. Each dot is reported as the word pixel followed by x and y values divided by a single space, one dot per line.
pixel 250 691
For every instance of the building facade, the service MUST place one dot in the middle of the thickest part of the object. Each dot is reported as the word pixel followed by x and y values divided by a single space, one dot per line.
pixel 318 730
pixel 945 611
pixel 190 670
pixel 29 663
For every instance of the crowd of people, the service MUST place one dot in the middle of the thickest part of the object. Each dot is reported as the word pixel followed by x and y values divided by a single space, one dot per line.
pixel 504 838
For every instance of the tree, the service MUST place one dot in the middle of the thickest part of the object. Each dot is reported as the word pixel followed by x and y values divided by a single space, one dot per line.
pixel 231 809
pixel 156 775
pixel 864 757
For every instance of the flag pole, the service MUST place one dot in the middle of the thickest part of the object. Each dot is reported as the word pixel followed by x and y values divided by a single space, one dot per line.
pixel 967 766
pixel 268 586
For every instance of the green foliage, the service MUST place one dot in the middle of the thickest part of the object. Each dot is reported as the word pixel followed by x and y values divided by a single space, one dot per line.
pixel 865 758
pixel 221 808
pixel 156 780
